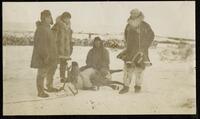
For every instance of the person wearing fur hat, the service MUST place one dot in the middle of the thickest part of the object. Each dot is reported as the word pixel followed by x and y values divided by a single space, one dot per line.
pixel 44 54
pixel 98 59
pixel 63 33
pixel 138 36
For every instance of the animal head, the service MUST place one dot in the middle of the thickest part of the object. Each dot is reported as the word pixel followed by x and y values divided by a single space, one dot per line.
pixel 74 64
pixel 74 72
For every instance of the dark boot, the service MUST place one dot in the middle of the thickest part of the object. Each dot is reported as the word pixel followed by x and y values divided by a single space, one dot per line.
pixel 124 90
pixel 137 89
pixel 40 83
pixel 43 95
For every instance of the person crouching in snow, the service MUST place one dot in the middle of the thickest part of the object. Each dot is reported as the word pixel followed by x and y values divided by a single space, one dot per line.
pixel 97 60
pixel 138 37
pixel 44 56
pixel 63 32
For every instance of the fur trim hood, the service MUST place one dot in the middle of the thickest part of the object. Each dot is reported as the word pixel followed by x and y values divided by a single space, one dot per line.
pixel 39 23
pixel 135 18
pixel 61 24
pixel 135 22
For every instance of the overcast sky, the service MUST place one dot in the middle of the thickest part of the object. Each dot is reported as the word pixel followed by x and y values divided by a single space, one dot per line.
pixel 166 18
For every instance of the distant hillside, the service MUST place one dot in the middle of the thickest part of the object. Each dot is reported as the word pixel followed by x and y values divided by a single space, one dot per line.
pixel 27 27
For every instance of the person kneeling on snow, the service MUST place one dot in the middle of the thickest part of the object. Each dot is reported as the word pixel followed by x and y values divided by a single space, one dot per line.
pixel 138 37
pixel 98 60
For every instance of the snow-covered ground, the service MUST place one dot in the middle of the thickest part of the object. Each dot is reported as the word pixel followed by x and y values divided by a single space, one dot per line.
pixel 169 87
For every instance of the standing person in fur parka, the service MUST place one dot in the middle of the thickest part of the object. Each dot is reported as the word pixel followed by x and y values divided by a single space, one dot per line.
pixel 138 37
pixel 63 32
pixel 44 56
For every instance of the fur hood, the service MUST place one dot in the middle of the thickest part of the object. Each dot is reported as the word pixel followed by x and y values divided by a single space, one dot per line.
pixel 63 34
pixel 136 18
pixel 61 24
pixel 101 44
pixel 135 22
pixel 39 24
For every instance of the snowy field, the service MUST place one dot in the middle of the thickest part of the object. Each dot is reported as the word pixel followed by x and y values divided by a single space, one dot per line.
pixel 169 87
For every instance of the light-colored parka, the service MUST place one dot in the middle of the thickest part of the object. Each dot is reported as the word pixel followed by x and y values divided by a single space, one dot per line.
pixel 63 33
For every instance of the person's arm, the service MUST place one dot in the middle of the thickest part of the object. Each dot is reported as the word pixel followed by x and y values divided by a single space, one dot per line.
pixel 106 60
pixel 51 45
pixel 125 35
pixel 71 42
pixel 89 59
pixel 149 35
pixel 41 42
pixel 61 39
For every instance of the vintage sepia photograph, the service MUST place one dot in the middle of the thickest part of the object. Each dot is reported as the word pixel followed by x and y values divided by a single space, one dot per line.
pixel 99 58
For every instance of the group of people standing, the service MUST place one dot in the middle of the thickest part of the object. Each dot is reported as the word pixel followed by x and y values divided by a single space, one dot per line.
pixel 53 46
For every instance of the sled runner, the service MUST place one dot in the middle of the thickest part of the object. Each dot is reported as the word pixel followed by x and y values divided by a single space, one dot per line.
pixel 72 91
pixel 99 81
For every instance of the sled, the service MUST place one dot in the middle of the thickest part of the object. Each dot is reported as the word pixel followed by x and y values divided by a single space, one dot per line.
pixel 68 82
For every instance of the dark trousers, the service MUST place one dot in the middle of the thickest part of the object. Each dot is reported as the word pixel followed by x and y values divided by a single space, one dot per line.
pixel 63 66
pixel 48 73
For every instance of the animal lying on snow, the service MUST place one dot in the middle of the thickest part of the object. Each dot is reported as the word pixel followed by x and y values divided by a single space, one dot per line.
pixel 90 79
